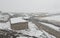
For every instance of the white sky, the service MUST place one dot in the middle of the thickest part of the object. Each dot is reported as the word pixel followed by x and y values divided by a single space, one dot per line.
pixel 30 5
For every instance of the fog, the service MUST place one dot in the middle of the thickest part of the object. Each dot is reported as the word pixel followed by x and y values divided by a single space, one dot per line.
pixel 30 5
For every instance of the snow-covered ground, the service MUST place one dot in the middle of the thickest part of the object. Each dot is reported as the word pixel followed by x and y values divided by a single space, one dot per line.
pixel 5 25
pixel 52 26
pixel 34 31
pixel 52 18
pixel 56 18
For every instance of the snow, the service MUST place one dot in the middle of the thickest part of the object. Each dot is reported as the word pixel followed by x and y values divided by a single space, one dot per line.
pixel 17 20
pixel 4 17
pixel 52 26
pixel 26 17
pixel 48 35
pixel 5 25
pixel 37 33
pixel 4 22
pixel 34 31
pixel 56 18
pixel 22 37
pixel 32 26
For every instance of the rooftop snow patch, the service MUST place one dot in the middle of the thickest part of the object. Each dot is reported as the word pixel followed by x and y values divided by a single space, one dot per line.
pixel 17 20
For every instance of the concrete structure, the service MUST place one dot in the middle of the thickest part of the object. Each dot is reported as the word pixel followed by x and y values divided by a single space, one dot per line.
pixel 18 24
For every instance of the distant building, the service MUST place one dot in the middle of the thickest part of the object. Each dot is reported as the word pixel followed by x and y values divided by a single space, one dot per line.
pixel 18 24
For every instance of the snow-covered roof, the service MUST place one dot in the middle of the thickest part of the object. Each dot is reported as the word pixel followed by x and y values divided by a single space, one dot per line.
pixel 17 20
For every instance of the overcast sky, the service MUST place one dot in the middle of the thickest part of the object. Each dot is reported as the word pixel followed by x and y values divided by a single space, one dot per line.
pixel 30 5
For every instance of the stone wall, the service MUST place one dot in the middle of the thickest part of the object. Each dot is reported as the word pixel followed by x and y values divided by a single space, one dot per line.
pixel 19 26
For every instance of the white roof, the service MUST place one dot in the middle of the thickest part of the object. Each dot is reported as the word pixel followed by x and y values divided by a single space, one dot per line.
pixel 17 20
